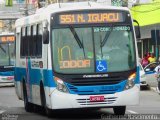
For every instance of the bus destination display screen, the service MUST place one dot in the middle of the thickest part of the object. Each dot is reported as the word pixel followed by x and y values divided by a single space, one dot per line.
pixel 4 39
pixel 91 18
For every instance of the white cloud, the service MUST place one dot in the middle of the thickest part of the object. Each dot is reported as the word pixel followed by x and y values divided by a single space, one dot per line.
pixel 2 1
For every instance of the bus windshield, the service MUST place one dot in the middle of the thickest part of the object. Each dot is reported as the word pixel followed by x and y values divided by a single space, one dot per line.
pixel 83 49
pixel 7 54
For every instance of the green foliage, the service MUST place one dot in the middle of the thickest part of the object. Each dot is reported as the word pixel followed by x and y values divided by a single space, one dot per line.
pixel 9 3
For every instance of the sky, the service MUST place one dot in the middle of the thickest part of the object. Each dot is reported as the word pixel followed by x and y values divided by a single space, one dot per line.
pixel 2 1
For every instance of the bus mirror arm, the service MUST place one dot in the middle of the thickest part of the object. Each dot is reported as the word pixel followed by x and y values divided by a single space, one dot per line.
pixel 137 29
pixel 45 36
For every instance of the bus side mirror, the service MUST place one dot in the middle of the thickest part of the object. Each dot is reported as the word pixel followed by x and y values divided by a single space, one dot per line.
pixel 45 36
pixel 137 29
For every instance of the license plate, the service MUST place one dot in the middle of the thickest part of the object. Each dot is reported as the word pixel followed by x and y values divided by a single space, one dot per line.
pixel 96 98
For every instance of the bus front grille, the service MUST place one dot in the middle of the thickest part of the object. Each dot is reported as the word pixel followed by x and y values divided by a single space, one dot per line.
pixel 96 89
pixel 96 81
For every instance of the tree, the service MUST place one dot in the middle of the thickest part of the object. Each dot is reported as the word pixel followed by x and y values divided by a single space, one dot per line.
pixel 9 3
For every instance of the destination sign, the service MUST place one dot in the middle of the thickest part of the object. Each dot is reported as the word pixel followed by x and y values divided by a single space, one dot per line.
pixel 86 18
pixel 7 39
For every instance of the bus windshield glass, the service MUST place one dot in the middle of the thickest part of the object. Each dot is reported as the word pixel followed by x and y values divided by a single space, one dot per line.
pixel 93 49
pixel 7 51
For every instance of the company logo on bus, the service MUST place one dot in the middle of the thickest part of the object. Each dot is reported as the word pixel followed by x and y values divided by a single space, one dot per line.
pixel 99 75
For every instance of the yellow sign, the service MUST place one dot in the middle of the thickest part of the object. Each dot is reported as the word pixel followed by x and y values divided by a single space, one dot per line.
pixel 90 18
pixel 7 39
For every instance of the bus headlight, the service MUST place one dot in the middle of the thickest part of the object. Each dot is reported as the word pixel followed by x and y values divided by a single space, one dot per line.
pixel 130 81
pixel 60 85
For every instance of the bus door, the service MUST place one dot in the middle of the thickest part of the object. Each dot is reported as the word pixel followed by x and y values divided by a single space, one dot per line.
pixel 36 61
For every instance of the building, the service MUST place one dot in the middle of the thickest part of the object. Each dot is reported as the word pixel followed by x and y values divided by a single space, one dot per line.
pixel 148 16
pixel 8 15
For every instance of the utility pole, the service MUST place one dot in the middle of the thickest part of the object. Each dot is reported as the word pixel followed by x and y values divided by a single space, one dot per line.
pixel 156 45
pixel 26 8
pixel 155 41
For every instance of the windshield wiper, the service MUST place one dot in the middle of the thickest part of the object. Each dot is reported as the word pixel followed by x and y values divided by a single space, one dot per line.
pixel 76 36
pixel 77 39
pixel 2 49
pixel 106 36
pixel 101 46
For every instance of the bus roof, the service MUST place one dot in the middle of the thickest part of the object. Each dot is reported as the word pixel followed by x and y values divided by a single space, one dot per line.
pixel 45 12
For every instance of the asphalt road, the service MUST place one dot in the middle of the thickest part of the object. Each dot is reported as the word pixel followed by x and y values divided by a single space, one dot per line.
pixel 11 107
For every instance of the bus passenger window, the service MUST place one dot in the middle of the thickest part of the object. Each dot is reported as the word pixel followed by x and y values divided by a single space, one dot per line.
pixel 24 44
pixel 34 40
pixel 39 41
pixel 31 43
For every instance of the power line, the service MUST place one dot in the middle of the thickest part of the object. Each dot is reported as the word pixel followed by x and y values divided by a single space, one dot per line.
pixel 142 4
pixel 146 10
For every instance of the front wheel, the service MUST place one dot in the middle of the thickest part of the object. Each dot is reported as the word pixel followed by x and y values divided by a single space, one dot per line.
pixel 28 106
pixel 119 110
pixel 47 111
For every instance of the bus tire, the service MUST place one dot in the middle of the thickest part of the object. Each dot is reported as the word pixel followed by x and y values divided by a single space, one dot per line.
pixel 47 111
pixel 119 110
pixel 28 106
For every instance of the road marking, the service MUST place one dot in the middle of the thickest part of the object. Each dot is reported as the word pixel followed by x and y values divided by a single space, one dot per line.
pixel 132 112
pixel 2 111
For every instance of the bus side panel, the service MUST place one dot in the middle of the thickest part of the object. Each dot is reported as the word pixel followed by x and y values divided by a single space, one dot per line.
pixel 18 86
pixel 18 89
pixel 18 81
pixel 36 75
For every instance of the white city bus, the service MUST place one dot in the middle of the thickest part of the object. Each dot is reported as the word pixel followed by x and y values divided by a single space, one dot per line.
pixel 77 55
pixel 7 57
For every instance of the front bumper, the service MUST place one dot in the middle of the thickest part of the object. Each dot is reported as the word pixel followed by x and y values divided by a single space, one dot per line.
pixel 60 100
pixel 6 80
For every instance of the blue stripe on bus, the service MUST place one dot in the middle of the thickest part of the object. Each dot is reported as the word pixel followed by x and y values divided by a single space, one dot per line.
pixel 137 80
pixel 48 81
pixel 48 78
pixel 36 76
pixel 7 73
pixel 96 89
pixel 101 89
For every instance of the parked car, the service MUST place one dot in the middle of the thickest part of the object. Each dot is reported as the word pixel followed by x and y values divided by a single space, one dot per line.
pixel 143 82
pixel 150 74
pixel 6 80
